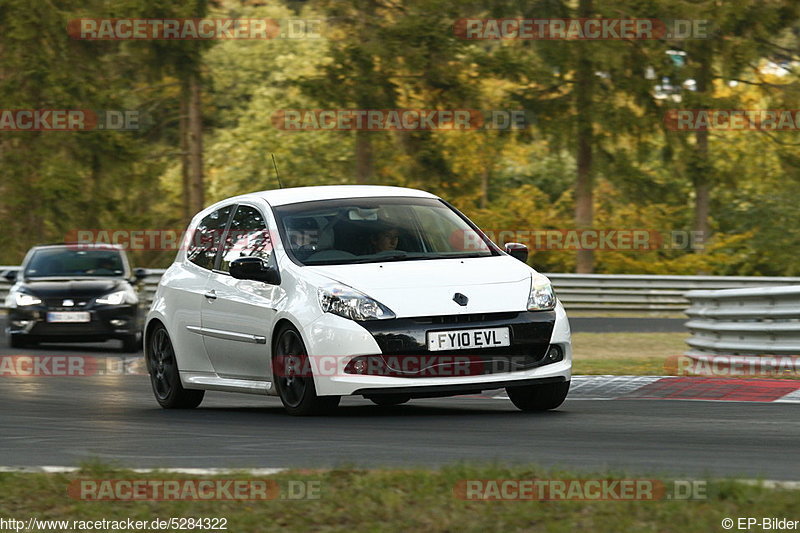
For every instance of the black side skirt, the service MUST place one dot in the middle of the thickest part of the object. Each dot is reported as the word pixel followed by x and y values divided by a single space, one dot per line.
pixel 437 391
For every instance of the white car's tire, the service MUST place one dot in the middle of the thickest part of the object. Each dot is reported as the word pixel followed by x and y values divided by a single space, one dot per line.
pixel 539 397
pixel 164 374
pixel 294 378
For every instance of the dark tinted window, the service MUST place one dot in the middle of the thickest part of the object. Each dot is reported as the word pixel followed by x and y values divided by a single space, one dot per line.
pixel 248 237
pixel 372 230
pixel 67 263
pixel 206 238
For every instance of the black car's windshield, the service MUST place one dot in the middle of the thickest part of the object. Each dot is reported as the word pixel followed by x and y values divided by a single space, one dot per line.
pixel 372 230
pixel 69 263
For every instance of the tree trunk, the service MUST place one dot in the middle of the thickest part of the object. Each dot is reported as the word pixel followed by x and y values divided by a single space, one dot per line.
pixel 702 168
pixel 195 142
pixel 183 126
pixel 96 193
pixel 364 163
pixel 702 191
pixel 584 212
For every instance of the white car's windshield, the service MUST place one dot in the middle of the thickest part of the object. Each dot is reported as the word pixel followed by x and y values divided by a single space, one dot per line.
pixel 371 230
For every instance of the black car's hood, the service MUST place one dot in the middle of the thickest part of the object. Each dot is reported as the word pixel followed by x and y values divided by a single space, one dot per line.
pixel 64 288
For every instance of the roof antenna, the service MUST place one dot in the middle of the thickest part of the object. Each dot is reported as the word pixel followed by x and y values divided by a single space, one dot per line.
pixel 277 175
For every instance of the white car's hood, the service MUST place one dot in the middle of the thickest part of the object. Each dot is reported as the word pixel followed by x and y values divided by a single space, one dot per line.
pixel 425 288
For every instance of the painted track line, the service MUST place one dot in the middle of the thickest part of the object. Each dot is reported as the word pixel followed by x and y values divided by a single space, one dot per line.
pixel 693 388
pixel 188 471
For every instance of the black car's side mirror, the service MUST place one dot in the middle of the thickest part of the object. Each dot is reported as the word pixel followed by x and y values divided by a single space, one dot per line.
pixel 10 276
pixel 255 269
pixel 139 274
pixel 517 250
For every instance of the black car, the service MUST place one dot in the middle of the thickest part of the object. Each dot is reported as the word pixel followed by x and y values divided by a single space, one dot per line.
pixel 75 293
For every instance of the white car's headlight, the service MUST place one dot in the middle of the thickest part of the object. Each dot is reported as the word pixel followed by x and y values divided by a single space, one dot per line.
pixel 542 296
pixel 22 299
pixel 349 303
pixel 118 297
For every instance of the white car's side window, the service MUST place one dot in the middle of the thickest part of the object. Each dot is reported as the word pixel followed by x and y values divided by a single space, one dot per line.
pixel 248 236
pixel 206 238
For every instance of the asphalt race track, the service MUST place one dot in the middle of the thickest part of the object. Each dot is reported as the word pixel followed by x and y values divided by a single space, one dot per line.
pixel 64 421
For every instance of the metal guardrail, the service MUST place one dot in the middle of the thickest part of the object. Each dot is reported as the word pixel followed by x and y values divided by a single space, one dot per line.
pixel 4 285
pixel 613 292
pixel 151 284
pixel 591 292
pixel 763 321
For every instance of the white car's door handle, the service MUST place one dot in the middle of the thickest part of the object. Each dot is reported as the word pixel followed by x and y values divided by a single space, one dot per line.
pixel 211 295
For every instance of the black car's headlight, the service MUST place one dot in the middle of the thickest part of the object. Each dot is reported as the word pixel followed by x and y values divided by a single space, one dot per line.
pixel 349 303
pixel 125 296
pixel 542 296
pixel 23 299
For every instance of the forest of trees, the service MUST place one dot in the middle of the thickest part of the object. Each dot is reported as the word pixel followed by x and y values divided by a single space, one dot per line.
pixel 597 150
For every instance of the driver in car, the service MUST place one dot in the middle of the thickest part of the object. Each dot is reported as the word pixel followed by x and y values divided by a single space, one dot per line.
pixel 304 237
pixel 385 240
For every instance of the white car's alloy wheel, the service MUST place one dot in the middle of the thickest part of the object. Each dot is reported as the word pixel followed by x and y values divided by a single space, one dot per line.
pixel 294 379
pixel 165 376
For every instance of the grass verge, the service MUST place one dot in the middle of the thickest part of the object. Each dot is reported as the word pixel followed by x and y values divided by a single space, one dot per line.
pixel 401 500
pixel 625 353
pixel 646 354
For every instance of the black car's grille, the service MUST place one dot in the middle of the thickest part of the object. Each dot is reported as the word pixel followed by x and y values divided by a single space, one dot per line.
pixel 58 303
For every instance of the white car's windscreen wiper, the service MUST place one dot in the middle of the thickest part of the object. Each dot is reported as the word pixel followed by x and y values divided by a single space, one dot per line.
pixel 394 256
pixel 405 256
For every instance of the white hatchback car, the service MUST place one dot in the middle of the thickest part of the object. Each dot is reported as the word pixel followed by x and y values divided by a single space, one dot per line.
pixel 315 293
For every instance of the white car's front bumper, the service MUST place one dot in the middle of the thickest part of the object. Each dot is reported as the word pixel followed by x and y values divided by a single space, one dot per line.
pixel 332 342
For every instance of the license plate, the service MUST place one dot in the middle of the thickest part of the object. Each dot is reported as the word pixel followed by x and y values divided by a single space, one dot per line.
pixel 68 316
pixel 464 339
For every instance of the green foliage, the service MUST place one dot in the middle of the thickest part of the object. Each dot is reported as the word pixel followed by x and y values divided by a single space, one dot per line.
pixel 406 55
